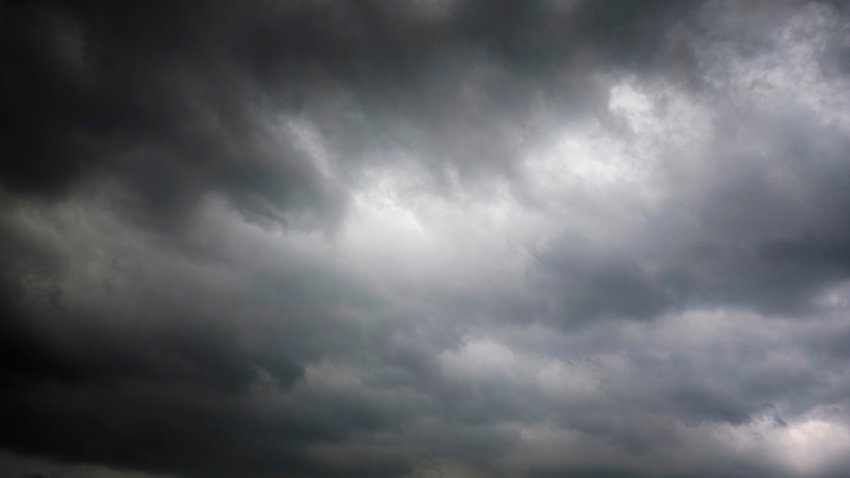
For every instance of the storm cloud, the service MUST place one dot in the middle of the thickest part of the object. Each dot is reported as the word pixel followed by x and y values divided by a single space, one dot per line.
pixel 425 238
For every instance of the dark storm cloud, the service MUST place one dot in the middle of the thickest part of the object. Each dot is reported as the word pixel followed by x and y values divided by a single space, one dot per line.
pixel 445 238
pixel 179 373
pixel 150 93
pixel 173 98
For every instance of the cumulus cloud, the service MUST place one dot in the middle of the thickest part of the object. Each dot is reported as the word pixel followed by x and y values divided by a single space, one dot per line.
pixel 424 238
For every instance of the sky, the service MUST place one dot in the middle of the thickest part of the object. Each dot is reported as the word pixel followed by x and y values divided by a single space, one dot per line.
pixel 424 239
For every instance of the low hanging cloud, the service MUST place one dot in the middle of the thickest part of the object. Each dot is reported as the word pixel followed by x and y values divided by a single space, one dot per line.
pixel 425 238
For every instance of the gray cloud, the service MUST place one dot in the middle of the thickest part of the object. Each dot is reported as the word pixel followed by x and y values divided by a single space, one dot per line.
pixel 424 238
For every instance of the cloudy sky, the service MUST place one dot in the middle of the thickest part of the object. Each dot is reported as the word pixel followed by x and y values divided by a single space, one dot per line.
pixel 424 238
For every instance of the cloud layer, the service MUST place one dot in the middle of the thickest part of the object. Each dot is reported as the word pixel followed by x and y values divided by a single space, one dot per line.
pixel 425 238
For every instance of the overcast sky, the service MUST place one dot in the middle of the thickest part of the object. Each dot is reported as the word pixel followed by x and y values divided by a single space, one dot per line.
pixel 424 238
